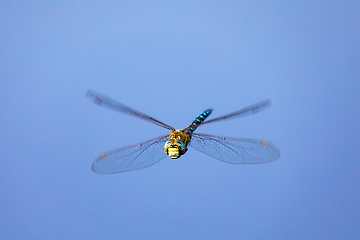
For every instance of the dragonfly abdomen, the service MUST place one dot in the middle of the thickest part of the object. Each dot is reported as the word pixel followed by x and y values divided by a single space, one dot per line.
pixel 201 118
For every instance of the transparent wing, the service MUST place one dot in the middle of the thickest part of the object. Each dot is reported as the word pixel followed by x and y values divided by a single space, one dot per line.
pixel 131 158
pixel 235 150
pixel 107 102
pixel 257 107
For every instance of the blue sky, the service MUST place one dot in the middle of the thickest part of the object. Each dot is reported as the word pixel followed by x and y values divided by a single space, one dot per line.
pixel 172 60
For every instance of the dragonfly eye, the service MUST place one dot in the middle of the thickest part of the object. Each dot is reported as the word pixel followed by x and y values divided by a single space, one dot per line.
pixel 174 148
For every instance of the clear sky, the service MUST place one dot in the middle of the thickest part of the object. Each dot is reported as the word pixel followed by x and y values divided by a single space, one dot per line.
pixel 172 60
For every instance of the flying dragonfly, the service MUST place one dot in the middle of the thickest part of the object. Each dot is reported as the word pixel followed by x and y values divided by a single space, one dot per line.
pixel 175 144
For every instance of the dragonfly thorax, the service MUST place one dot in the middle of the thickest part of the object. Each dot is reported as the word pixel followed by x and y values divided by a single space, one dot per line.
pixel 177 143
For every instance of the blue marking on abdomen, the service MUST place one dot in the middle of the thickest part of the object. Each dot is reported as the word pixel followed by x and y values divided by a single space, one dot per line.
pixel 199 119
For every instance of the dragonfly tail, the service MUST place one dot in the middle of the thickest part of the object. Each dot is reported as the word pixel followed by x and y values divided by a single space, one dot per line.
pixel 201 118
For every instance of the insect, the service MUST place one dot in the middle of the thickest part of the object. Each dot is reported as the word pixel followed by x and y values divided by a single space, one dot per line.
pixel 175 144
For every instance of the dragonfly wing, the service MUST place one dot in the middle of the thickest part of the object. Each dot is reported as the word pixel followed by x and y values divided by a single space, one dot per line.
pixel 257 107
pixel 131 158
pixel 235 150
pixel 107 102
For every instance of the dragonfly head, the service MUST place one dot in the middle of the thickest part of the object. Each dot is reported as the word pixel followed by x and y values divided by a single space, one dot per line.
pixel 174 147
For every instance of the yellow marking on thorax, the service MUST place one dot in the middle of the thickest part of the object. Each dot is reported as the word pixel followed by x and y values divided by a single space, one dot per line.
pixel 180 134
pixel 102 156
pixel 265 143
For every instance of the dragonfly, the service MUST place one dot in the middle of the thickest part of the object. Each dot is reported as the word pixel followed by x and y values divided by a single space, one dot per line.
pixel 147 153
